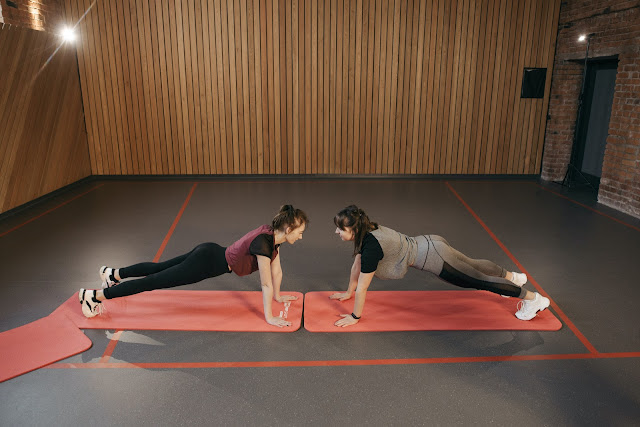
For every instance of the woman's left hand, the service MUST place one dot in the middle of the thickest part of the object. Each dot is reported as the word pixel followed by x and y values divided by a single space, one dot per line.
pixel 285 298
pixel 346 320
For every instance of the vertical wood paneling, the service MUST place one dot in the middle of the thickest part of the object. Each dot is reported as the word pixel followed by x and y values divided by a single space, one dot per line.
pixel 313 155
pixel 277 153
pixel 206 94
pixel 307 88
pixel 175 95
pixel 367 81
pixel 43 144
pixel 290 86
pixel 326 87
pixel 294 159
pixel 75 10
pixel 195 11
pixel 412 153
pixel 233 83
pixel 466 40
pixel 124 88
pixel 302 94
pixel 320 89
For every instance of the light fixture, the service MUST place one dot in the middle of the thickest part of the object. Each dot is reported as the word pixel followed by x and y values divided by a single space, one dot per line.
pixel 582 38
pixel 68 34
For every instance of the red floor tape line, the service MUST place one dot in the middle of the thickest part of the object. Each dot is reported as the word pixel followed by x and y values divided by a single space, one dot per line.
pixel 38 344
pixel 175 310
pixel 423 311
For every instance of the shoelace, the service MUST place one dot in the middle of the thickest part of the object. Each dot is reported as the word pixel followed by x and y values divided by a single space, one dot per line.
pixel 521 305
pixel 98 309
pixel 109 283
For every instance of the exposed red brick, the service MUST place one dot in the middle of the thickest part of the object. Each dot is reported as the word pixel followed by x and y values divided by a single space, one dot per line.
pixel 616 28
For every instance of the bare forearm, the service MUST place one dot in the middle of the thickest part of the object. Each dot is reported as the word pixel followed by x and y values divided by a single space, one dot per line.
pixel 364 280
pixel 277 281
pixel 267 296
pixel 358 304
pixel 353 278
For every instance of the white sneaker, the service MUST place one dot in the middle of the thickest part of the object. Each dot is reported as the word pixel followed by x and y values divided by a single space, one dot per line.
pixel 90 306
pixel 105 273
pixel 527 309
pixel 518 279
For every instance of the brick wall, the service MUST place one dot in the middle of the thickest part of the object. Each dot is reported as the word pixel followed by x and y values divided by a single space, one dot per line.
pixel 616 24
pixel 41 15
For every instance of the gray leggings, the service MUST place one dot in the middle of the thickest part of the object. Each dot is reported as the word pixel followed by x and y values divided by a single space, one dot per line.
pixel 436 256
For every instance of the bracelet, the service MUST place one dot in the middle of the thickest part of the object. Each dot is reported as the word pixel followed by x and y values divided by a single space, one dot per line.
pixel 355 317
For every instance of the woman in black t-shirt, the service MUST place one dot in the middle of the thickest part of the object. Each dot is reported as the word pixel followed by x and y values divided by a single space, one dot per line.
pixel 387 254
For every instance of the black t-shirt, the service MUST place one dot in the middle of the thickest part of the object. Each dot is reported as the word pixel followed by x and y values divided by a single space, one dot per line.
pixel 263 245
pixel 371 252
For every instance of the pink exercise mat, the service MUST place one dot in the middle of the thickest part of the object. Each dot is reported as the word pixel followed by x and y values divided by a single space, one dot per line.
pixel 424 311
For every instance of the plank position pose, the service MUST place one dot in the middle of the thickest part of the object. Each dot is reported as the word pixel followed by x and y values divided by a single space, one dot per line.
pixel 387 254
pixel 257 250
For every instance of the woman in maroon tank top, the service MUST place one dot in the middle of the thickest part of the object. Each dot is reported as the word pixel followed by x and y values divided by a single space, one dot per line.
pixel 255 251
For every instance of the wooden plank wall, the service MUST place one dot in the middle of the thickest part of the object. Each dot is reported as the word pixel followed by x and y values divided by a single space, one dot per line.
pixel 43 144
pixel 314 87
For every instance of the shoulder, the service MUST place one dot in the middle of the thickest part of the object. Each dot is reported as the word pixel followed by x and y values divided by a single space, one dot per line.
pixel 263 229
pixel 263 237
pixel 262 244
pixel 370 244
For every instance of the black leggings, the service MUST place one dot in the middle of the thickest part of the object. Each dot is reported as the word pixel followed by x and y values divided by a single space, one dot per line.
pixel 204 261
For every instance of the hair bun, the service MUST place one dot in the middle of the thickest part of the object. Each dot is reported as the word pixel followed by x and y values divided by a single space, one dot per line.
pixel 289 216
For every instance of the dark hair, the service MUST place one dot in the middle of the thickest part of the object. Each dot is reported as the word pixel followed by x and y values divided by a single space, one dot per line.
pixel 355 218
pixel 289 217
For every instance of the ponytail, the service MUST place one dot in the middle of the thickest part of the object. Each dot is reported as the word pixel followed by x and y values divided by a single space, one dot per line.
pixel 356 219
pixel 289 217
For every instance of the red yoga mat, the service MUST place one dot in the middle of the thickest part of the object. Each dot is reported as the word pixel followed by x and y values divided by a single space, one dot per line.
pixel 423 311
pixel 175 310
pixel 38 344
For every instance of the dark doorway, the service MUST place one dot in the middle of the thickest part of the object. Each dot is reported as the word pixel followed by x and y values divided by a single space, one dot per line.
pixel 593 128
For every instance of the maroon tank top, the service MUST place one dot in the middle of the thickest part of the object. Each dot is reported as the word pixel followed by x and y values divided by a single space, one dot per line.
pixel 238 257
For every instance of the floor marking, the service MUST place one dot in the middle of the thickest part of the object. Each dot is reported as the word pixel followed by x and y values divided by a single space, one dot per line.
pixel 110 347
pixel 114 341
pixel 365 362
pixel 559 311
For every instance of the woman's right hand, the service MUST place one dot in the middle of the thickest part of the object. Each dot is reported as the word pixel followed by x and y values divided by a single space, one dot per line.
pixel 342 296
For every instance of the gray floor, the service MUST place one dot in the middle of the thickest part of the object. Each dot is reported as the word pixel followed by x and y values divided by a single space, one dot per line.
pixel 586 262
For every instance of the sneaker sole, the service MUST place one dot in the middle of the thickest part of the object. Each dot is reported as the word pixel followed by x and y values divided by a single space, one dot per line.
pixel 86 308
pixel 102 276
